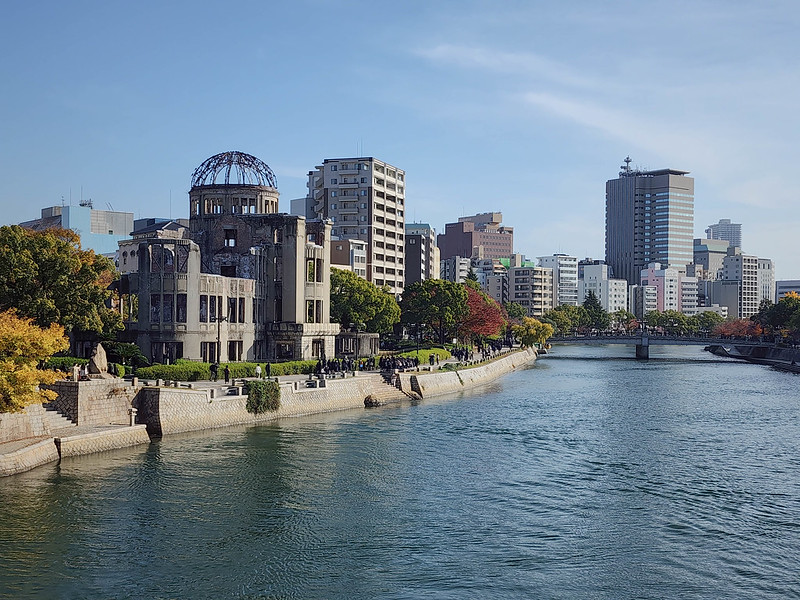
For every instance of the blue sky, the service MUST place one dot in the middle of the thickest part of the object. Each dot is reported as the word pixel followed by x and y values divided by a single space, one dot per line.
pixel 521 107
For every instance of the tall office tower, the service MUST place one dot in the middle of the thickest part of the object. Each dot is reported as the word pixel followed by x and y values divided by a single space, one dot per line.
pixel 478 236
pixel 422 254
pixel 365 199
pixel 725 230
pixel 649 218
pixel 565 277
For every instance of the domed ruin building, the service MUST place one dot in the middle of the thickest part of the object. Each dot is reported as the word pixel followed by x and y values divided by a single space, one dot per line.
pixel 243 282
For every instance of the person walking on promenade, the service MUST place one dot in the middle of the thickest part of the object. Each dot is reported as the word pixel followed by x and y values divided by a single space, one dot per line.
pixel 214 369
pixel 269 370
pixel 258 371
pixel 227 374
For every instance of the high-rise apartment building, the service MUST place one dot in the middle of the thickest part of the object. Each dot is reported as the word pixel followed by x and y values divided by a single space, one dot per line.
pixel 455 268
pixel 365 199
pixel 565 277
pixel 422 254
pixel 532 288
pixel 725 230
pixel 649 218
pixel 478 236
pixel 738 284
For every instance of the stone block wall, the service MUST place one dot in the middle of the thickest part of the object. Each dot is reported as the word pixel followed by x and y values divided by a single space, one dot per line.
pixel 99 441
pixel 447 382
pixel 95 402
pixel 28 457
pixel 174 410
pixel 26 424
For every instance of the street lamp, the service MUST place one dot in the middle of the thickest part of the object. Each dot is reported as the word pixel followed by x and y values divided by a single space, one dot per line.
pixel 219 345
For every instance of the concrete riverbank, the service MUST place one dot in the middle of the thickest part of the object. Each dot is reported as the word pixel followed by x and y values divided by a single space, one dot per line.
pixel 94 416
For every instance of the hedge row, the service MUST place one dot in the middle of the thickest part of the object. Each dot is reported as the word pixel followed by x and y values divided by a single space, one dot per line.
pixel 185 370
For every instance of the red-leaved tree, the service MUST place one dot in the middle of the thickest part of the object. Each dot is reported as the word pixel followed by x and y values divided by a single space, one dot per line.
pixel 484 316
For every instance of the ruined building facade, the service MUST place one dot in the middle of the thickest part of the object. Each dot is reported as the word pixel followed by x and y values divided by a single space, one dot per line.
pixel 243 282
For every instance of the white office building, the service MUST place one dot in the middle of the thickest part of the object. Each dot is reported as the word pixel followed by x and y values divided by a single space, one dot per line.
pixel 565 277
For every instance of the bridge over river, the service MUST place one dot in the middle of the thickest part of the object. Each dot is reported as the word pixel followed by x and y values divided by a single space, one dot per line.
pixel 644 341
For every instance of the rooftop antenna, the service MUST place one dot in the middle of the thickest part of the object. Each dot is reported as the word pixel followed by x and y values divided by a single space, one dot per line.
pixel 627 168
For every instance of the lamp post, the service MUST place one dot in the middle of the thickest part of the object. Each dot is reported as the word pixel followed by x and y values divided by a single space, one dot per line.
pixel 219 320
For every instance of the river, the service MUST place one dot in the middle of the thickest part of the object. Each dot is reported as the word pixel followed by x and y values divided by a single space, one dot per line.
pixel 587 475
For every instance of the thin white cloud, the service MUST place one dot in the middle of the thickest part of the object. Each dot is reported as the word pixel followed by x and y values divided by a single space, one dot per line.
pixel 506 63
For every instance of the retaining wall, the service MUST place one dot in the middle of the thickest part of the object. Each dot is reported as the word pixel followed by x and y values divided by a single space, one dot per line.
pixel 95 402
pixel 99 441
pixel 26 424
pixel 447 382
pixel 174 410
pixel 28 457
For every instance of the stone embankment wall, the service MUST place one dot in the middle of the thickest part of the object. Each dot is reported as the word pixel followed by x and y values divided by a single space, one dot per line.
pixel 99 441
pixel 173 410
pixel 28 457
pixel 447 382
pixel 29 423
pixel 167 410
pixel 95 402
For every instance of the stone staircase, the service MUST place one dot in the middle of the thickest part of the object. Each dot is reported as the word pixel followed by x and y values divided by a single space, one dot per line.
pixel 385 391
pixel 55 420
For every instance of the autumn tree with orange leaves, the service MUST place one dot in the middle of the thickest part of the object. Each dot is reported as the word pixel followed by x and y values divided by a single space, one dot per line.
pixel 484 316
pixel 23 346
pixel 738 328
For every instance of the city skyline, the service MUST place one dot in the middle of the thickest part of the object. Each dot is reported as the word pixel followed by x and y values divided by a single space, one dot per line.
pixel 515 109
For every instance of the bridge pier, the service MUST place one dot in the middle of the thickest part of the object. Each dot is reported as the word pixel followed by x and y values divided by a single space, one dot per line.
pixel 643 349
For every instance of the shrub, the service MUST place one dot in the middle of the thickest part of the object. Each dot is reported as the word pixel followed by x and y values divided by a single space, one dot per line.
pixel 263 396
pixel 184 371
pixel 188 370
pixel 64 363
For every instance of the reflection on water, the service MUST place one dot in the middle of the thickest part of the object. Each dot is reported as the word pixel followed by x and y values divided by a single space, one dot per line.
pixel 676 477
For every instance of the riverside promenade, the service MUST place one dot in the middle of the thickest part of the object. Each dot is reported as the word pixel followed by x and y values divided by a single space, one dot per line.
pixel 109 414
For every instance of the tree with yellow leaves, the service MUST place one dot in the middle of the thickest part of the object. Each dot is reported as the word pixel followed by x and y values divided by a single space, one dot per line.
pixel 532 331
pixel 22 346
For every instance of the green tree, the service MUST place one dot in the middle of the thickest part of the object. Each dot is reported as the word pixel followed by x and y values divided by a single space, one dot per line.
pixel 705 321
pixel 23 346
pixel 532 331
pixel 355 301
pixel 622 319
pixel 515 311
pixel 567 319
pixel 46 276
pixel 597 316
pixel 439 304
pixel 387 313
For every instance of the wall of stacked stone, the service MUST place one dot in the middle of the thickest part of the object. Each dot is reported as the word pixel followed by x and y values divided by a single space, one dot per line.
pixel 99 441
pixel 26 424
pixel 173 410
pixel 447 382
pixel 29 457
pixel 95 402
